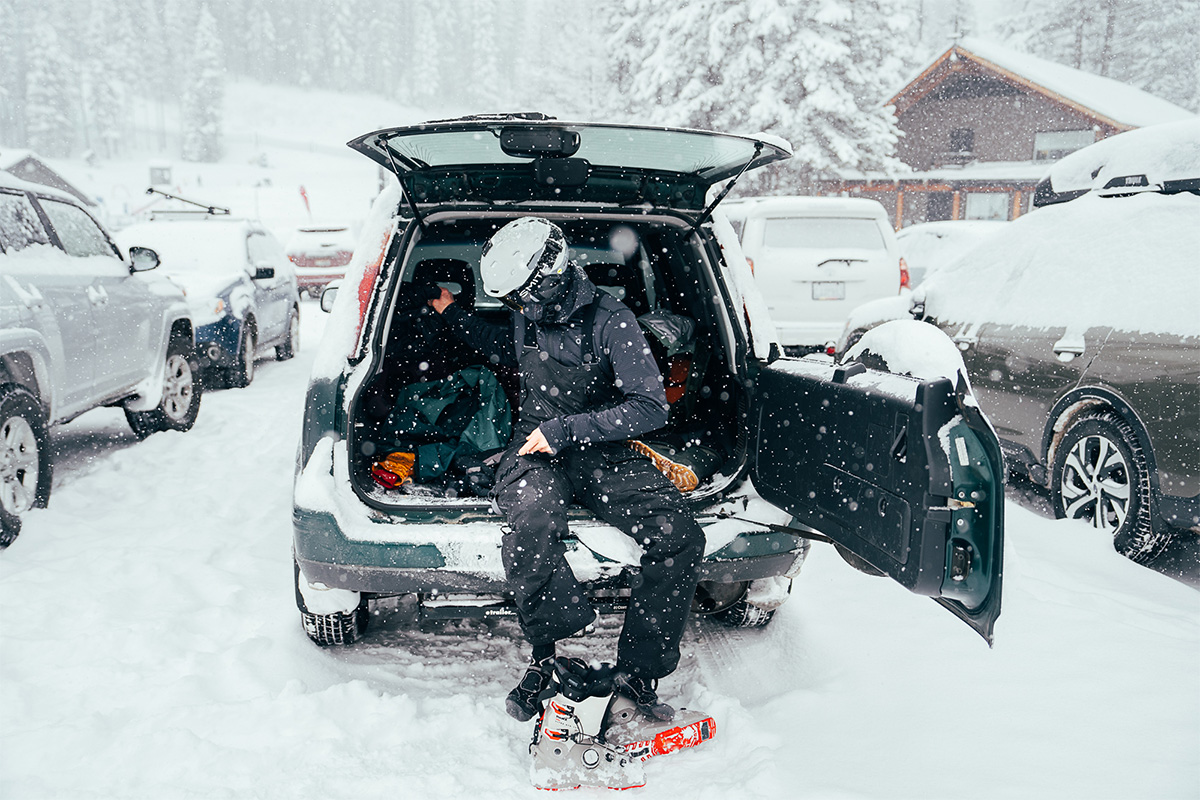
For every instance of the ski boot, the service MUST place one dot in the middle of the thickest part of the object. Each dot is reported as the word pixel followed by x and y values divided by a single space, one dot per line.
pixel 568 747
pixel 643 692
pixel 528 698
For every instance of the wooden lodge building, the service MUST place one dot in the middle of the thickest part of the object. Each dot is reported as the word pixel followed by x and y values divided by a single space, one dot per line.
pixel 981 125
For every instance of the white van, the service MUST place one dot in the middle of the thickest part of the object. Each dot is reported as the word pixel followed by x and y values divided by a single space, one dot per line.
pixel 816 258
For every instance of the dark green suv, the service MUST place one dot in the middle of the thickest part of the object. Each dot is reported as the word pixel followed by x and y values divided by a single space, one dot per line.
pixel 904 476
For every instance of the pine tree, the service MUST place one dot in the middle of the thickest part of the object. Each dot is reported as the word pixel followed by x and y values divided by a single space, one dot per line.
pixel 1151 44
pixel 815 73
pixel 50 94
pixel 104 97
pixel 13 37
pixel 204 97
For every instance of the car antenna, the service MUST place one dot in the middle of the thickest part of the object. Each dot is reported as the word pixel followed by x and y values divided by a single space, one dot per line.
pixel 758 146
pixel 387 146
pixel 214 210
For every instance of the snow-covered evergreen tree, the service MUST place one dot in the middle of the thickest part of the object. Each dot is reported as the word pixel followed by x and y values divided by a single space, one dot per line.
pixel 104 105
pixel 50 93
pixel 815 73
pixel 13 37
pixel 202 105
pixel 1152 44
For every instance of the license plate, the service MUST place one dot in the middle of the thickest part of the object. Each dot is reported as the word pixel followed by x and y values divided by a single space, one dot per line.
pixel 323 262
pixel 829 290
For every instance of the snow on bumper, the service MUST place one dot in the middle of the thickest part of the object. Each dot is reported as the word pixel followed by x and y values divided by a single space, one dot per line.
pixel 436 547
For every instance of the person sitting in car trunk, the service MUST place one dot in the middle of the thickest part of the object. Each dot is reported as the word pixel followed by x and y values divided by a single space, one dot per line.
pixel 588 384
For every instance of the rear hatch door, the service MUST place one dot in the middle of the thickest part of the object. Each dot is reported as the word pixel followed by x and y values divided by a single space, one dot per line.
pixel 518 158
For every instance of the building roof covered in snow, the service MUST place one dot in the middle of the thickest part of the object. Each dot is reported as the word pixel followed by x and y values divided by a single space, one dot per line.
pixel 28 166
pixel 1110 102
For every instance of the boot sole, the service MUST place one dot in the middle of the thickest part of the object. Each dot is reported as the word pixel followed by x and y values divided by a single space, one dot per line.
pixel 684 478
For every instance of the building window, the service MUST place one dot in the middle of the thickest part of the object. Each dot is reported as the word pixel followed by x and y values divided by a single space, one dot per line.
pixel 987 205
pixel 1053 145
pixel 940 206
pixel 962 140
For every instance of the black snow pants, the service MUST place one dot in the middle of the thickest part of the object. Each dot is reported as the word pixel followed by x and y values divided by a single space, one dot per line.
pixel 623 488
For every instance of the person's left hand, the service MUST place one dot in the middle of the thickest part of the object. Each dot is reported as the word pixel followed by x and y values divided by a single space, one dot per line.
pixel 535 443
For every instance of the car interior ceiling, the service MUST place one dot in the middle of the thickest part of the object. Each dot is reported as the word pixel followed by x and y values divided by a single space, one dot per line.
pixel 660 274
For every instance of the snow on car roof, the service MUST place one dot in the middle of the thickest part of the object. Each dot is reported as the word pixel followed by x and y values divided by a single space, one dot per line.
pixel 1128 263
pixel 191 245
pixel 10 181
pixel 1166 152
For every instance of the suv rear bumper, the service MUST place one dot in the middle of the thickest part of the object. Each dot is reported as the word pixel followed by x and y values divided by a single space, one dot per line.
pixel 466 558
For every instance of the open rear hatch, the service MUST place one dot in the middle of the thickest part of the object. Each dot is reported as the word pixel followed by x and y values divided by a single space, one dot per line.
pixel 531 157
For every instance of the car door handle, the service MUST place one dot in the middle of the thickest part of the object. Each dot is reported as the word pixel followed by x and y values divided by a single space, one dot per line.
pixel 98 295
pixel 30 298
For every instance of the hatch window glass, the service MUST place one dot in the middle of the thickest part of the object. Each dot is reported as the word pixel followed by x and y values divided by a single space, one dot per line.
pixel 812 233
pixel 79 233
pixel 20 226
pixel 705 154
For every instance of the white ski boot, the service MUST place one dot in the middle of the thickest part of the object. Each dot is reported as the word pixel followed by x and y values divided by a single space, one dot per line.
pixel 568 747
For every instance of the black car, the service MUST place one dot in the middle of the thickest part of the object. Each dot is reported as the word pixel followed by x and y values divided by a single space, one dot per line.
pixel 1079 326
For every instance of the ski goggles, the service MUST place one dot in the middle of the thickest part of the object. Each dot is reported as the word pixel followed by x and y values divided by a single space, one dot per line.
pixel 542 288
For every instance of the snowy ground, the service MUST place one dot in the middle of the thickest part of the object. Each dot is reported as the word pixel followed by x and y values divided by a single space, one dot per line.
pixel 150 648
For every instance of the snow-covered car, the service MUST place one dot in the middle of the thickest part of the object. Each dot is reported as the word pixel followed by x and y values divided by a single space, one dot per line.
pixel 241 288
pixel 904 475
pixel 80 328
pixel 815 259
pixel 320 254
pixel 929 246
pixel 1079 332
pixel 925 248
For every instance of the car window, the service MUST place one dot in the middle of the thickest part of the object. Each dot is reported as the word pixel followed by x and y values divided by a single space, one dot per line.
pixel 79 233
pixel 822 232
pixel 20 226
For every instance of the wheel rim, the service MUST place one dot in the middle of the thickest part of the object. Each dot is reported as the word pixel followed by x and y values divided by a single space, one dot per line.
pixel 178 388
pixel 19 465
pixel 1096 484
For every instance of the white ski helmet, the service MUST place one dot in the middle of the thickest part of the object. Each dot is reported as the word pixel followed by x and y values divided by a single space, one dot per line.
pixel 523 253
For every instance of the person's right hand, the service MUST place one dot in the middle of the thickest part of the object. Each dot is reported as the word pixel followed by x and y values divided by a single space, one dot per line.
pixel 439 303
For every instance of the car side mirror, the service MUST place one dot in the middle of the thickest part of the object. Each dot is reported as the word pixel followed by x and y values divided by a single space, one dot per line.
pixel 328 295
pixel 142 259
pixel 262 273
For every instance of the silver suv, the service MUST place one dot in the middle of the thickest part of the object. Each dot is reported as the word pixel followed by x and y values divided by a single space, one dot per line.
pixel 80 327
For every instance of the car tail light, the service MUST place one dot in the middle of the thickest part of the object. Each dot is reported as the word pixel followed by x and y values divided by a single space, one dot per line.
pixel 366 286
pixel 831 348
pixel 903 274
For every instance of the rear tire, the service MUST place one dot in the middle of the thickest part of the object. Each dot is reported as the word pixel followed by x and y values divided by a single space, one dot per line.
pixel 1101 476
pixel 24 460
pixel 241 374
pixel 331 630
pixel 290 345
pixel 180 403
pixel 744 615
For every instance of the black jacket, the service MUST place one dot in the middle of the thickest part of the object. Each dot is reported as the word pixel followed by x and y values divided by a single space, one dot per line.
pixel 618 343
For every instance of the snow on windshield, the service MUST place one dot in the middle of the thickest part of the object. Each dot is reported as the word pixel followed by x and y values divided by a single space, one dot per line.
pixel 1126 262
